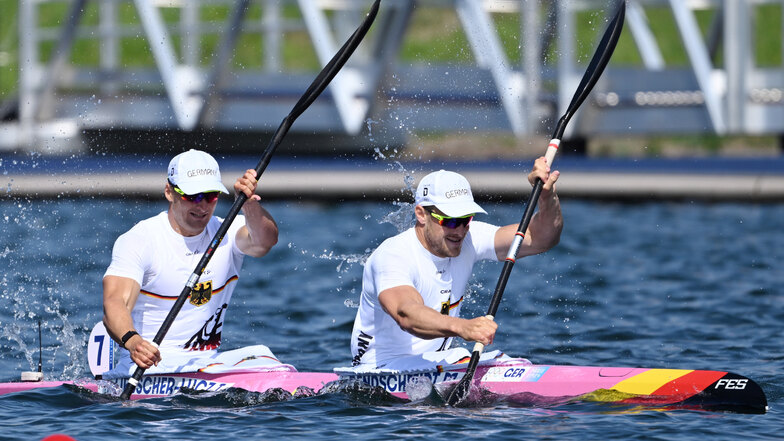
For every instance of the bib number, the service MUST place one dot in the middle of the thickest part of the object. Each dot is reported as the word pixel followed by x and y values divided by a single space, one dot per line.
pixel 100 350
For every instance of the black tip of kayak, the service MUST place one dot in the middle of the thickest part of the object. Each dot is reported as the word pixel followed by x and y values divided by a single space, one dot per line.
pixel 731 393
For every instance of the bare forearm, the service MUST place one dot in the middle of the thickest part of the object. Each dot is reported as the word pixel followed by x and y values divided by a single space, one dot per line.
pixel 404 304
pixel 546 225
pixel 117 319
pixel 544 231
pixel 119 296
pixel 426 323
pixel 260 233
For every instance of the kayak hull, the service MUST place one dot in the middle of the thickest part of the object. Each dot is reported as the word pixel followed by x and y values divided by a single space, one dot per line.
pixel 516 381
pixel 543 385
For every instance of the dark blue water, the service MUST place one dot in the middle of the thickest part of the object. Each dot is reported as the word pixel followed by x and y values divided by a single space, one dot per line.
pixel 669 285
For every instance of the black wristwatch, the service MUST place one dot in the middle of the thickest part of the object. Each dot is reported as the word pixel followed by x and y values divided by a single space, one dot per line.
pixel 127 337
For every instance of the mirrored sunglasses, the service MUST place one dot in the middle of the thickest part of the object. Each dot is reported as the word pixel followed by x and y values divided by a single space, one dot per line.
pixel 210 196
pixel 452 222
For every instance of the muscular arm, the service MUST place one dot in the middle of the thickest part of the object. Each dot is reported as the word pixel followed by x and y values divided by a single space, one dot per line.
pixel 405 305
pixel 260 232
pixel 119 297
pixel 544 230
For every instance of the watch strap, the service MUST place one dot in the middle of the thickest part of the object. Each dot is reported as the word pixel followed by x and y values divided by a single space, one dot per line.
pixel 127 337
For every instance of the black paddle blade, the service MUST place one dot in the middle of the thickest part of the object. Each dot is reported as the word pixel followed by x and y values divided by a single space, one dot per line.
pixel 318 85
pixel 460 392
pixel 595 68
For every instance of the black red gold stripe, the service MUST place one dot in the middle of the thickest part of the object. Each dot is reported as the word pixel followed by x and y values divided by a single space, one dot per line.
pixel 163 297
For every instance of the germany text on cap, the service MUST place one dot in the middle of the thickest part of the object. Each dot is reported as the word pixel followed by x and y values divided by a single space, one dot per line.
pixel 449 192
pixel 195 172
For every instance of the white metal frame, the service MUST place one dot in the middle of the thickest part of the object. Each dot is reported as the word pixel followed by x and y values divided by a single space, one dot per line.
pixel 738 97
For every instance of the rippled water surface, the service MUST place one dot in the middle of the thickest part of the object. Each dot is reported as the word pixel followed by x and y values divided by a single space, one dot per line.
pixel 670 285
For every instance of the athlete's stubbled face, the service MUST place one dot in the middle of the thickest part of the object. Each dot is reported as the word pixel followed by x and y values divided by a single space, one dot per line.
pixel 439 240
pixel 188 218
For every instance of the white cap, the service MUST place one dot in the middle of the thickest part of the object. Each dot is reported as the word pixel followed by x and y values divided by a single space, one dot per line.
pixel 449 192
pixel 195 172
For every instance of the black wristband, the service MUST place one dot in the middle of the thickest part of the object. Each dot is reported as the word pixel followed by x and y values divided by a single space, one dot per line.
pixel 127 337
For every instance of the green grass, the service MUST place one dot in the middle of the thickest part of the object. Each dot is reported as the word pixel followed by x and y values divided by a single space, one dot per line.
pixel 9 63
pixel 435 36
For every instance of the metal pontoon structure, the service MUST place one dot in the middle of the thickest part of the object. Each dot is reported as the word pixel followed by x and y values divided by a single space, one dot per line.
pixel 187 88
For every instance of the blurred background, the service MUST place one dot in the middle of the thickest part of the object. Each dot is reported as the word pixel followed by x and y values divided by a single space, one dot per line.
pixel 686 124
pixel 436 78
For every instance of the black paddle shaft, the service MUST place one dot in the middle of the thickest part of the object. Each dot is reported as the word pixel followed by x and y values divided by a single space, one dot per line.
pixel 316 87
pixel 595 68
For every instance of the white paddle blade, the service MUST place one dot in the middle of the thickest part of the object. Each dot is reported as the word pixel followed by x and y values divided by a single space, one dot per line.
pixel 100 350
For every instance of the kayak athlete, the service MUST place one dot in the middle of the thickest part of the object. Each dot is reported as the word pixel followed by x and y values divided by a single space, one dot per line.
pixel 413 283
pixel 152 262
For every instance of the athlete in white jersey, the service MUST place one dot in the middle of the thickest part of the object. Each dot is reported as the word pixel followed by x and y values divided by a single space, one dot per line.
pixel 151 264
pixel 413 283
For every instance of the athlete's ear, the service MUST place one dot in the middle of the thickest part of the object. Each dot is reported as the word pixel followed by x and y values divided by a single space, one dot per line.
pixel 421 214
pixel 167 191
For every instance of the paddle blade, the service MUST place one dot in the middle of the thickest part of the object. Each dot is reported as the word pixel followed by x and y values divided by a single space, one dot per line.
pixel 460 392
pixel 595 68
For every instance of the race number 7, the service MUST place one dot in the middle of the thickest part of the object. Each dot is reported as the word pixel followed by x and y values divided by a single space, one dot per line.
pixel 100 350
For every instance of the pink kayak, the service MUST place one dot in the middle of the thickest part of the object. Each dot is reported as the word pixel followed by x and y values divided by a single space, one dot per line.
pixel 515 380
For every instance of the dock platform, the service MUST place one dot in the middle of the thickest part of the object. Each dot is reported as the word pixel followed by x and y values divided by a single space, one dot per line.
pixel 362 178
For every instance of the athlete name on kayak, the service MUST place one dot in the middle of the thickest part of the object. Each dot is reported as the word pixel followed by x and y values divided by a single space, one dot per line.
pixel 162 385
pixel 397 382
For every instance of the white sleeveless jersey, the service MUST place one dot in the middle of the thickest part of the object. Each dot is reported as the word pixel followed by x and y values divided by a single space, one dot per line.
pixel 403 261
pixel 161 260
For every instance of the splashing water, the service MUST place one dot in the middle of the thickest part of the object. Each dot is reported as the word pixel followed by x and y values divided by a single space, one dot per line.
pixel 369 122
pixel 74 346
pixel 33 293
pixel 345 259
pixel 419 388
pixel 402 218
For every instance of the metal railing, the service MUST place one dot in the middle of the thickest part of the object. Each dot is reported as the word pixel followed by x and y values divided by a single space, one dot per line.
pixel 193 82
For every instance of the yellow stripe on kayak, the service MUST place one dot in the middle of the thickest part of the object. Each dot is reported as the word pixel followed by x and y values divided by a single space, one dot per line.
pixel 649 381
